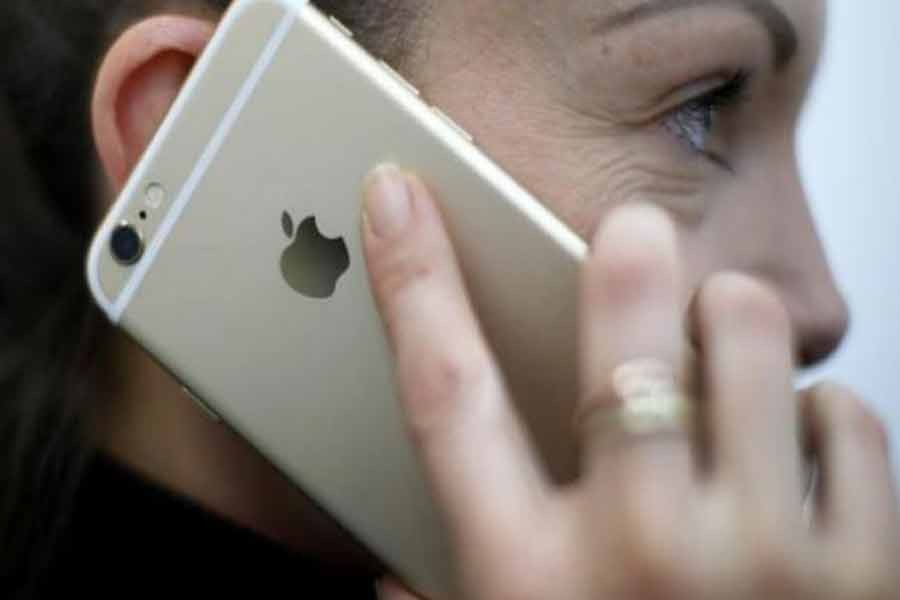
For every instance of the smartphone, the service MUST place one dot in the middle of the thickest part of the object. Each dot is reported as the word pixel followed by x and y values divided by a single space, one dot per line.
pixel 233 256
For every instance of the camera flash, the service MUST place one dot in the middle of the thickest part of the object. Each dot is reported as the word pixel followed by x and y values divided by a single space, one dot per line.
pixel 155 195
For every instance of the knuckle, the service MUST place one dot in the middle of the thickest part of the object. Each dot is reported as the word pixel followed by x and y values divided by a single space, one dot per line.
pixel 649 547
pixel 402 267
pixel 776 569
pixel 442 386
pixel 763 550
pixel 745 300
pixel 454 375
pixel 850 411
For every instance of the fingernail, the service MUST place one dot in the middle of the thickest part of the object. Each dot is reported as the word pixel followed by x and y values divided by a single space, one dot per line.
pixel 635 224
pixel 387 201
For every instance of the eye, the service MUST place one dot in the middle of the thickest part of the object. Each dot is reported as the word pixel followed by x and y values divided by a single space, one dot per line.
pixel 694 121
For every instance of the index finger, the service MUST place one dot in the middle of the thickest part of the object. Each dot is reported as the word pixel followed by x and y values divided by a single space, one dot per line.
pixel 473 446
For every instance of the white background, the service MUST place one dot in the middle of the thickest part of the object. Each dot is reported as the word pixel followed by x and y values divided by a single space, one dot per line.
pixel 850 151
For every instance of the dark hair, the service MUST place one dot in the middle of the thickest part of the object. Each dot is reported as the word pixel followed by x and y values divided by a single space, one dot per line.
pixel 51 336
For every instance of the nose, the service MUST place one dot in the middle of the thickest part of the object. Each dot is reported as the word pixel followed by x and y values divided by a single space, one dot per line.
pixel 770 234
pixel 821 323
pixel 799 269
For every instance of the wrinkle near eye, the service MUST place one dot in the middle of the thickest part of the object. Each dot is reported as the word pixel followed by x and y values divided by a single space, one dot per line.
pixel 636 176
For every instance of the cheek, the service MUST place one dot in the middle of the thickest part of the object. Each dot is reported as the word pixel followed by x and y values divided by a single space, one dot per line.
pixel 762 227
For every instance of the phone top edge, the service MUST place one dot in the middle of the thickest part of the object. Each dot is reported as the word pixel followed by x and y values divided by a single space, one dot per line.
pixel 438 122
pixel 114 308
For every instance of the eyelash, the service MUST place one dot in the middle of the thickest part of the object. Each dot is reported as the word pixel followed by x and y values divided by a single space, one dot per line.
pixel 694 120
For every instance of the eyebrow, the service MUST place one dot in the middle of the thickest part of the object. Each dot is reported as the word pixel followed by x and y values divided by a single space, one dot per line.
pixel 781 31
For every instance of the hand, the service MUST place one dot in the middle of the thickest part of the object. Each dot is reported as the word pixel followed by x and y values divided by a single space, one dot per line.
pixel 661 514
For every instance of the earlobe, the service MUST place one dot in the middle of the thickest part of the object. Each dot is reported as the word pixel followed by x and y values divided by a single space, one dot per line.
pixel 137 83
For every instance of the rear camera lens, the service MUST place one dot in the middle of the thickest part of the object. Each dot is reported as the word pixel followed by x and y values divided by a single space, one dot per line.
pixel 126 244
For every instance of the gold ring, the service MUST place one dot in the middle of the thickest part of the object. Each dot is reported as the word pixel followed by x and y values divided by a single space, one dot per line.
pixel 651 401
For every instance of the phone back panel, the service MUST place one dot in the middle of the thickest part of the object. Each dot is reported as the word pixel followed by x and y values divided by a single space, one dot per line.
pixel 284 113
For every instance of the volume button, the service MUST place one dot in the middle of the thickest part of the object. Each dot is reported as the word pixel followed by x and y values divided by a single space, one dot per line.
pixel 341 27
pixel 400 78
pixel 446 119
pixel 209 412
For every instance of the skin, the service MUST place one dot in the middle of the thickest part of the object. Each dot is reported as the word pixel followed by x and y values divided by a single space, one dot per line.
pixel 694 260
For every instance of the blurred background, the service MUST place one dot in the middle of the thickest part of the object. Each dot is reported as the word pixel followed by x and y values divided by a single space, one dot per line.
pixel 849 153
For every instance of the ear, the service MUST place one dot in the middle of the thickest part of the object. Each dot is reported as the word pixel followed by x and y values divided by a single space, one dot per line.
pixel 137 84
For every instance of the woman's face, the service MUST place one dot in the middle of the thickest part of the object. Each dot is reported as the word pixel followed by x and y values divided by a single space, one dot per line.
pixel 689 104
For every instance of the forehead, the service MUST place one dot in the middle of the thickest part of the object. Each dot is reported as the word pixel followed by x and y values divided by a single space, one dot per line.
pixel 560 34
pixel 570 47
pixel 585 17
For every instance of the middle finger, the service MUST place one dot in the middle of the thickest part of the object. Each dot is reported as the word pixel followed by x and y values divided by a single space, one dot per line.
pixel 746 344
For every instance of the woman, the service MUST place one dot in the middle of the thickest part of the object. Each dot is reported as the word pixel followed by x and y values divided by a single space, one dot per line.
pixel 660 131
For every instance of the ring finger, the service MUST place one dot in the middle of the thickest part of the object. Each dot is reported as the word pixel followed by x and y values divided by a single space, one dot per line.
pixel 632 317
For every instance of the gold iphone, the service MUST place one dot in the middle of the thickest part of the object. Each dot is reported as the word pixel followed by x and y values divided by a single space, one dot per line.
pixel 233 257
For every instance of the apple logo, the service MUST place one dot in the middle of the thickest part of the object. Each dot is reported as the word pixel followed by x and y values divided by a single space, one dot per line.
pixel 312 264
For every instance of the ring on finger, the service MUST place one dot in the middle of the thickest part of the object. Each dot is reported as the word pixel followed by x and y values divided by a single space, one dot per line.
pixel 650 401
